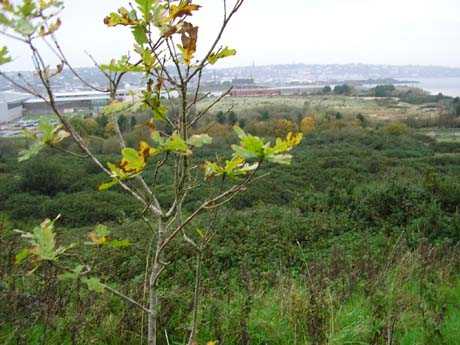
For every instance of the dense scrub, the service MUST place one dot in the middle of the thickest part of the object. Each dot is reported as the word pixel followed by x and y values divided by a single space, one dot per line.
pixel 355 243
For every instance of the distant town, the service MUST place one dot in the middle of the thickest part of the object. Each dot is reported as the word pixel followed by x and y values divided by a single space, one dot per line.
pixel 74 96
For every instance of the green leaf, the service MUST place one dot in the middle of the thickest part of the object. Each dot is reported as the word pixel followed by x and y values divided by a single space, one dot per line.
pixel 27 8
pixel 159 113
pixel 140 34
pixel 4 20
pixel 159 16
pixel 4 57
pixel 176 144
pixel 107 185
pixel 145 6
pixel 49 135
pixel 73 275
pixel 121 65
pixel 102 230
pixel 32 151
pixel 94 284
pixel 45 241
pixel 42 240
pixel 22 255
pixel 234 168
pixel 199 140
pixel 24 27
pixel 252 147
pixel 221 54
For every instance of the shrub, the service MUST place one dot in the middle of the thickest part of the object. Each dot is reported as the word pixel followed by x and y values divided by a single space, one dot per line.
pixel 392 202
pixel 396 128
pixel 307 125
pixel 23 206
pixel 282 127
pixel 88 208
pixel 43 176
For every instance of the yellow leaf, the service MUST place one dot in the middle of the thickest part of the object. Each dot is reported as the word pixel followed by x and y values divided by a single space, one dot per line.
pixel 97 240
pixel 184 8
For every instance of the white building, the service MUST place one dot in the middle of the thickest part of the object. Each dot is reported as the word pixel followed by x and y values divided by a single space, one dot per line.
pixel 11 105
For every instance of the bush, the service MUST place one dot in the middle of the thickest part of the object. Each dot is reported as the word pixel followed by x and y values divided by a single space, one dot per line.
pixel 25 206
pixel 392 202
pixel 44 176
pixel 307 125
pixel 396 128
pixel 89 208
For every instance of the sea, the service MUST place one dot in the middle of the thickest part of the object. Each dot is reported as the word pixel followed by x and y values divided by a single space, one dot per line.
pixel 446 86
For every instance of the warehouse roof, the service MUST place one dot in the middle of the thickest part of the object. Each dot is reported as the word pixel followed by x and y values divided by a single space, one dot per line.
pixel 13 97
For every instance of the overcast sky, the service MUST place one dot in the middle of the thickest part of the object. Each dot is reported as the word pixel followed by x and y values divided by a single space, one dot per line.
pixel 425 32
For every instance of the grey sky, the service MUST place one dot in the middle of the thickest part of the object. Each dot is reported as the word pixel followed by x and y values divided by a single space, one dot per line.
pixel 271 31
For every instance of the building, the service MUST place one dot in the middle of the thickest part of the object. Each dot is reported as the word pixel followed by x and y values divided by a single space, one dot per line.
pixel 11 105
pixel 72 102
pixel 14 105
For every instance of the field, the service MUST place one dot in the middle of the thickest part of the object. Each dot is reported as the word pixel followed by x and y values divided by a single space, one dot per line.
pixel 374 108
pixel 443 135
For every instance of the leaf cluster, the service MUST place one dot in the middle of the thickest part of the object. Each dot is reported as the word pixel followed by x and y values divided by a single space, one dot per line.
pixel 47 135
pixel 31 18
pixel 42 244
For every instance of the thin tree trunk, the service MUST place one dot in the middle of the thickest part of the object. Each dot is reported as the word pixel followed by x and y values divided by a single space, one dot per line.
pixel 196 299
pixel 154 303
pixel 153 306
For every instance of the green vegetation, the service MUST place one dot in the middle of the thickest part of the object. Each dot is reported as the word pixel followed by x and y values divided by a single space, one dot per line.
pixel 354 243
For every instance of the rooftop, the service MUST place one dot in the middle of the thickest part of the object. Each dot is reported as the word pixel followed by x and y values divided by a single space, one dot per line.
pixel 13 97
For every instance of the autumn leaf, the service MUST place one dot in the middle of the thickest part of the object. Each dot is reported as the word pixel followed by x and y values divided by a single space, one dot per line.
pixel 51 29
pixel 189 37
pixel 122 17
pixel 146 150
pixel 184 8
pixel 133 162
pixel 168 30
pixel 99 236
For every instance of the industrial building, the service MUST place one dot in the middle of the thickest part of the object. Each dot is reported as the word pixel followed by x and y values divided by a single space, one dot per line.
pixel 89 102
pixel 11 105
pixel 14 105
